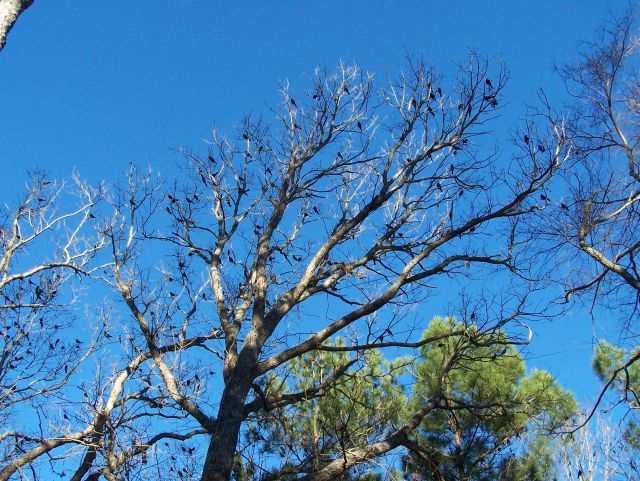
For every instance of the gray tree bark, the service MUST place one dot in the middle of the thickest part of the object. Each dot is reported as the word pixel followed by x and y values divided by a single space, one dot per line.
pixel 10 10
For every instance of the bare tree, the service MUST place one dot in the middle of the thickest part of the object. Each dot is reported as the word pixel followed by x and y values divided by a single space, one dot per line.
pixel 599 450
pixel 597 221
pixel 10 10
pixel 52 407
pixel 336 223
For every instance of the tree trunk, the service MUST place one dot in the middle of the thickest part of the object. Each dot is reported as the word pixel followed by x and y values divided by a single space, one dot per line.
pixel 218 465
pixel 10 10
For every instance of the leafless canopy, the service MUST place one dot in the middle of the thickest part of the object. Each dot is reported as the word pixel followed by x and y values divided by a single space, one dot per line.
pixel 359 202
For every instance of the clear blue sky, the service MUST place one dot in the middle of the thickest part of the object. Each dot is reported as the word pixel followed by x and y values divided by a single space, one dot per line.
pixel 95 85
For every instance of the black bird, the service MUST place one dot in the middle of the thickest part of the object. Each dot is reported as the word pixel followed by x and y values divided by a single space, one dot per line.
pixel 293 102
pixel 260 149
pixel 267 170
pixel 541 148
pixel 439 186
pixel 91 216
pixel 473 316
pixel 211 159
pixel 245 135
pixel 339 155
pixel 544 197
pixel 564 206
pixel 315 97
pixel 488 82
pixel 315 209
pixel 359 126
pixel 526 139
pixel 439 91
pixel 346 90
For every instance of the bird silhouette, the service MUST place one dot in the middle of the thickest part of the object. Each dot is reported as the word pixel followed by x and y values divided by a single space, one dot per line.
pixel 211 159
pixel 293 102
pixel 359 126
pixel 488 82
pixel 346 90
pixel 526 139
